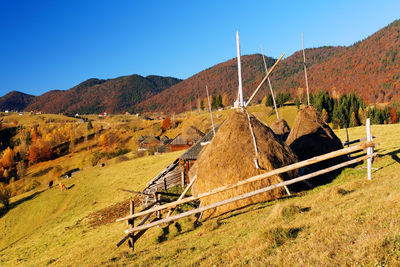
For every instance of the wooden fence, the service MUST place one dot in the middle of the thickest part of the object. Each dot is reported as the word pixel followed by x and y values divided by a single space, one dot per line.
pixel 158 207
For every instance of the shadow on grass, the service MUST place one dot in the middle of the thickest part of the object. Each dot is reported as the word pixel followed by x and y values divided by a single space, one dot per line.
pixel 4 210
pixel 394 156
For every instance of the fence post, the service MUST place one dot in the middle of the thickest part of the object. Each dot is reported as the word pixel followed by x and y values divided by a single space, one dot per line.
pixel 370 150
pixel 131 241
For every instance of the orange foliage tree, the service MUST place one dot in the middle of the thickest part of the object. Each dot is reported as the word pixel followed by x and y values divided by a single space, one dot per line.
pixel 8 158
pixel 394 118
pixel 33 154
pixel 166 124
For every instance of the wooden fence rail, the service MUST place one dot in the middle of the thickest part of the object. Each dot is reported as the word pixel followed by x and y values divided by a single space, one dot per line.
pixel 250 194
pixel 284 169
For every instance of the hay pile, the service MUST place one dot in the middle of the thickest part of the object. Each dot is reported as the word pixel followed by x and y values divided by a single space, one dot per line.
pixel 310 137
pixel 229 158
pixel 281 129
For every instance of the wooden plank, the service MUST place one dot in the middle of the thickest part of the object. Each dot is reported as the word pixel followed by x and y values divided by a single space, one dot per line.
pixel 247 195
pixel 265 78
pixel 183 194
pixel 284 169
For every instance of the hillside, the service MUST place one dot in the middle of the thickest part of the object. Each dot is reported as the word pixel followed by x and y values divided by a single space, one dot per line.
pixel 15 101
pixel 351 221
pixel 370 68
pixel 93 96
pixel 222 78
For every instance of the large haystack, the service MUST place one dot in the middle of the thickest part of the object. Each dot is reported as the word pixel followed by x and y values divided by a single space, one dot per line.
pixel 229 158
pixel 310 137
pixel 281 129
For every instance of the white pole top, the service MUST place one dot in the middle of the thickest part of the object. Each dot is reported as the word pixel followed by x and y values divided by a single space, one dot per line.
pixel 240 90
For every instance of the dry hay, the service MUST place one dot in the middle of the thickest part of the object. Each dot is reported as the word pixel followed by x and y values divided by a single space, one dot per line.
pixel 229 158
pixel 281 129
pixel 310 137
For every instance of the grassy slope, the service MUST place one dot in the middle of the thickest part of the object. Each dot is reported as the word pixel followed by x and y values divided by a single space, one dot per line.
pixel 351 221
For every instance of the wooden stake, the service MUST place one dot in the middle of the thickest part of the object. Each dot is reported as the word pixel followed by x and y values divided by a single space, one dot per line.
pixel 265 78
pixel 247 195
pixel 370 150
pixel 240 89
pixel 131 224
pixel 270 86
pixel 209 106
pixel 183 194
pixel 284 169
pixel 305 70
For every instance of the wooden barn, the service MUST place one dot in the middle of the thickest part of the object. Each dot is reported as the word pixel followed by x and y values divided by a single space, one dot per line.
pixel 177 173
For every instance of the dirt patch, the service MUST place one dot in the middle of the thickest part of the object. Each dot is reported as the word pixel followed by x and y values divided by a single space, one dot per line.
pixel 109 214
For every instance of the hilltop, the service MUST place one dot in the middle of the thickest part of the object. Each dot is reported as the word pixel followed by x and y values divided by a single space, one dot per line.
pixel 116 95
pixel 15 100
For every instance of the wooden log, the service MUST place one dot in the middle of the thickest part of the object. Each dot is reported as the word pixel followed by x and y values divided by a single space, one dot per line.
pixel 291 167
pixel 265 78
pixel 247 195
pixel 183 194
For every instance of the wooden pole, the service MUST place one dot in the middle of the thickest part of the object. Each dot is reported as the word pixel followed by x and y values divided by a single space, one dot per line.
pixel 209 106
pixel 247 195
pixel 183 194
pixel 284 169
pixel 240 89
pixel 269 83
pixel 370 150
pixel 305 70
pixel 131 224
pixel 265 78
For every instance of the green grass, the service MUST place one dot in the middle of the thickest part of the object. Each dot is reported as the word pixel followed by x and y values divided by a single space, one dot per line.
pixel 351 221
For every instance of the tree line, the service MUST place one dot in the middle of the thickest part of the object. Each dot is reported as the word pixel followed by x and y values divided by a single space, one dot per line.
pixel 349 110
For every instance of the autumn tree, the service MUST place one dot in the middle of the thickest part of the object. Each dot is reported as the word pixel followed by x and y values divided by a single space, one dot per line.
pixel 394 118
pixel 8 158
pixel 225 100
pixel 34 135
pixel 166 124
pixel 33 154
pixel 353 120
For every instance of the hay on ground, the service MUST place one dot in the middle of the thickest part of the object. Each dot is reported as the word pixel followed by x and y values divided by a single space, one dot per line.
pixel 229 158
pixel 281 129
pixel 310 137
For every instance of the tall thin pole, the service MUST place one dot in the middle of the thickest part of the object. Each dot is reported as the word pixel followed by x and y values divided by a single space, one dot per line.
pixel 370 150
pixel 240 90
pixel 209 106
pixel 305 70
pixel 269 83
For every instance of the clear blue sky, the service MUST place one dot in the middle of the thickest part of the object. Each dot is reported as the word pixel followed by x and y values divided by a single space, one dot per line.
pixel 47 45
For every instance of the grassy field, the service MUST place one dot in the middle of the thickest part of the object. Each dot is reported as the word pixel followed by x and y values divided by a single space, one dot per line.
pixel 351 221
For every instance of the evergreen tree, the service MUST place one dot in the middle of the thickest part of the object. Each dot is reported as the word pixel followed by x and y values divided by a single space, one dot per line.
pixel 353 120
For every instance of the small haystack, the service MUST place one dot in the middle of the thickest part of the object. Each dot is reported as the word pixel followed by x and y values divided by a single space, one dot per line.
pixel 229 158
pixel 310 137
pixel 281 129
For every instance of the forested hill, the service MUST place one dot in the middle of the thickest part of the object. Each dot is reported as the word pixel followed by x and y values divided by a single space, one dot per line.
pixel 222 79
pixel 370 68
pixel 15 101
pixel 94 95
